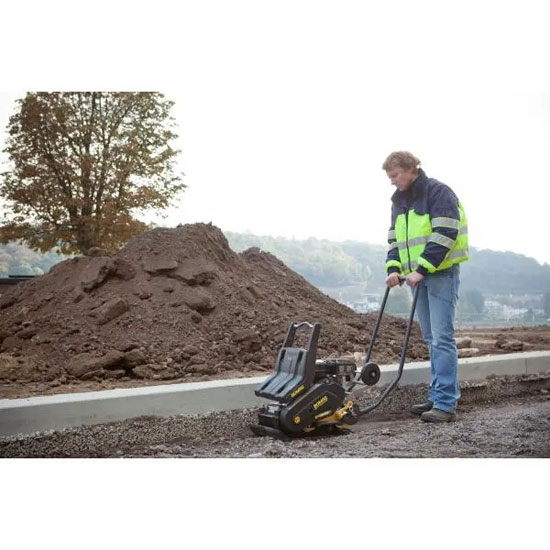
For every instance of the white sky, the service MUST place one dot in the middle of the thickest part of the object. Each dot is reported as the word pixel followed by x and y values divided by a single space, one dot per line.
pixel 287 110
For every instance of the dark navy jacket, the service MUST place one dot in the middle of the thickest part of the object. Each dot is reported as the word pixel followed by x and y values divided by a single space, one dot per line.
pixel 426 196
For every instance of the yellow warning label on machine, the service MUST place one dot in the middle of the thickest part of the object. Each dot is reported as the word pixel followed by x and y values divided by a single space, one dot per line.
pixel 297 391
pixel 297 420
pixel 321 401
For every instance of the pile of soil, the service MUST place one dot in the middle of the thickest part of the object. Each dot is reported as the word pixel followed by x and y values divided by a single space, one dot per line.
pixel 173 305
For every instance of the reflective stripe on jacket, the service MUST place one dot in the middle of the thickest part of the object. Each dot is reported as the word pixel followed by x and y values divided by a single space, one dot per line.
pixel 429 230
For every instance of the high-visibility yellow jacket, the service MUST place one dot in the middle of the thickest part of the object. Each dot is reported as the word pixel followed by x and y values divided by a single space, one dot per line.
pixel 429 230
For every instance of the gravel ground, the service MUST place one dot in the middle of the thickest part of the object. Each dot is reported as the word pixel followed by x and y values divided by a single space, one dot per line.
pixel 500 417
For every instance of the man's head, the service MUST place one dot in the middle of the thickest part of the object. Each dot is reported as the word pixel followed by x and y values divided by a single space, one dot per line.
pixel 402 169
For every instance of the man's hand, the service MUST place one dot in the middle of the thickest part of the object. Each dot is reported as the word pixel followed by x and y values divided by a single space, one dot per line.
pixel 414 278
pixel 393 279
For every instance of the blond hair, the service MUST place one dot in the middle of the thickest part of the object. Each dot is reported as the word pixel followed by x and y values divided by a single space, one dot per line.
pixel 401 159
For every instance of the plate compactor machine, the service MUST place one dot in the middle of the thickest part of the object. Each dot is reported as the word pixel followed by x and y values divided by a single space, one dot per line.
pixel 312 397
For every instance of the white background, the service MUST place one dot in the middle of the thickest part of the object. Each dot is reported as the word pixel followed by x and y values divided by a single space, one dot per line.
pixel 286 111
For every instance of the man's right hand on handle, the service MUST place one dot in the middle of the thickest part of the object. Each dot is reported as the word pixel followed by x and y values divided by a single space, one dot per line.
pixel 394 279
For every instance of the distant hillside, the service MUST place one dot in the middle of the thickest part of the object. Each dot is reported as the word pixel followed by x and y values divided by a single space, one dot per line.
pixel 329 264
pixel 338 264
pixel 505 273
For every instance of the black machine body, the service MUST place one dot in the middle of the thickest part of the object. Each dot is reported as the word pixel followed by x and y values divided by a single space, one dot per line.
pixel 311 396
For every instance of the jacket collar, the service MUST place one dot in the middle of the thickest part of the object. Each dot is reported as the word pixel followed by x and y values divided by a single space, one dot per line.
pixel 418 186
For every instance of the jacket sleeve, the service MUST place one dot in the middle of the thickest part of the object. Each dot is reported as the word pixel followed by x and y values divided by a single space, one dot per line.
pixel 445 219
pixel 393 264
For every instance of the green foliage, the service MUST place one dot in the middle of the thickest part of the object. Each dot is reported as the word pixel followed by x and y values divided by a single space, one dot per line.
pixel 474 298
pixel 82 164
pixel 322 262
pixel 495 272
pixel 332 264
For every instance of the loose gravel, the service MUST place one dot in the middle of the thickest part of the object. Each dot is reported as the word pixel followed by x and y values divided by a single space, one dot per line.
pixel 499 417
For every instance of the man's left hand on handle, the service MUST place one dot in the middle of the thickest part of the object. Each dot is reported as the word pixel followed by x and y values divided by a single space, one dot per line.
pixel 414 278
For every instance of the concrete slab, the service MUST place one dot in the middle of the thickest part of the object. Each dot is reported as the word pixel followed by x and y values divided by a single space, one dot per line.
pixel 413 373
pixel 537 362
pixel 478 368
pixel 37 414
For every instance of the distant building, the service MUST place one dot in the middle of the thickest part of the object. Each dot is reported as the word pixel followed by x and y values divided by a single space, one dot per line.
pixel 497 310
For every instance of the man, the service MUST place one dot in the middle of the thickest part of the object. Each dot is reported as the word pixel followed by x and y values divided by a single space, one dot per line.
pixel 428 239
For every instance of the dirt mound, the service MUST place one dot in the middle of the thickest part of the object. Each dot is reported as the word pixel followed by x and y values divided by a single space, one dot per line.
pixel 173 305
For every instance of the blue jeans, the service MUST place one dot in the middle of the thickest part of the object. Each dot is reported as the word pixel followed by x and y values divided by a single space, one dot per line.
pixel 435 309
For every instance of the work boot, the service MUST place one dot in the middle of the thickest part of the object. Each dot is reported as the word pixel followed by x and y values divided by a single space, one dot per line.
pixel 422 407
pixel 437 415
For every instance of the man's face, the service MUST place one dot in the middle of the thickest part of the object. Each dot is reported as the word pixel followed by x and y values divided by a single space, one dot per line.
pixel 402 179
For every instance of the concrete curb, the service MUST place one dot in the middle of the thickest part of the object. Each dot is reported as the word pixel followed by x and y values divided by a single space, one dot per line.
pixel 38 414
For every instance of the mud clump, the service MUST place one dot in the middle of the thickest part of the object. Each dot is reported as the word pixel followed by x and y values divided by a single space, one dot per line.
pixel 172 305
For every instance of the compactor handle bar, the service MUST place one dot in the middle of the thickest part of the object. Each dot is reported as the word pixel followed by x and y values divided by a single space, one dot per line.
pixel 382 307
pixel 302 324
pixel 403 349
pixel 313 337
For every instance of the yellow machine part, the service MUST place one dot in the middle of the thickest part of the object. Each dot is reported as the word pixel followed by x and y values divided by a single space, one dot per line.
pixel 338 414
